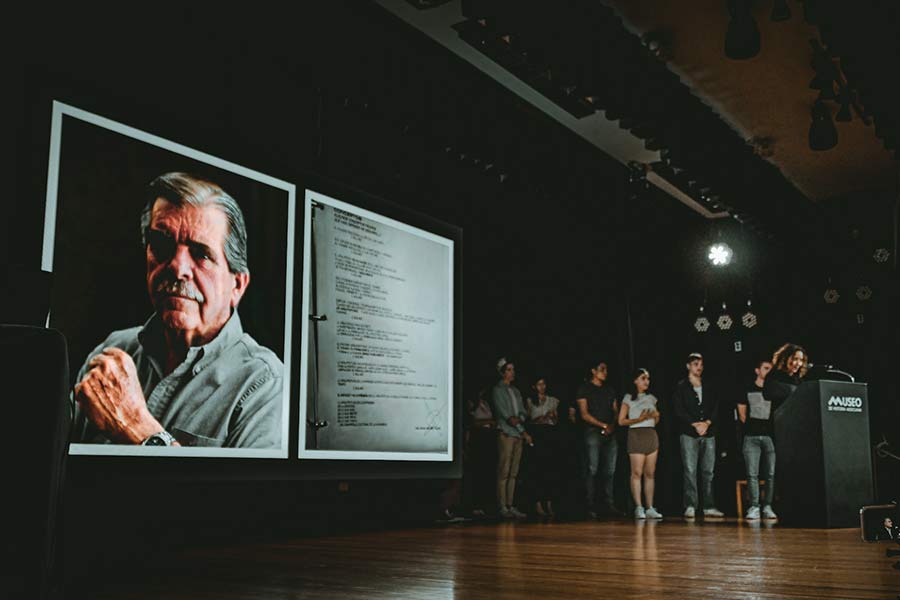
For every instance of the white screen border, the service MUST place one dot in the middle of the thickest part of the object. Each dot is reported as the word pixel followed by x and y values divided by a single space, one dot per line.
pixel 310 197
pixel 60 110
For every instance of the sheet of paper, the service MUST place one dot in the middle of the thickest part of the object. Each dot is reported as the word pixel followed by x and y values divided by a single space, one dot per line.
pixel 760 408
pixel 381 360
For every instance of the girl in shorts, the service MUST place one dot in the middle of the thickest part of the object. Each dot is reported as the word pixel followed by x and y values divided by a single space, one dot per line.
pixel 639 413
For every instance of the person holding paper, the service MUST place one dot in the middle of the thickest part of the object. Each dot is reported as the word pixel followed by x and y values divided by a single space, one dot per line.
pixel 757 416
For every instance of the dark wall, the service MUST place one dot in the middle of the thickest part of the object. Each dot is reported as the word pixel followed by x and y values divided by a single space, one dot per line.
pixel 563 262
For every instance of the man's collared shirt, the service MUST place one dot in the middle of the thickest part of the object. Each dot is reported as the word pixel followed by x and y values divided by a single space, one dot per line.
pixel 226 393
pixel 507 402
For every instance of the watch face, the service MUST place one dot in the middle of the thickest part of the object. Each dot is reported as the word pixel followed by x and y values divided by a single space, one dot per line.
pixel 155 440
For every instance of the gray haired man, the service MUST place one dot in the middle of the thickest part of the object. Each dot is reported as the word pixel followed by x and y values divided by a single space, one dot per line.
pixel 190 376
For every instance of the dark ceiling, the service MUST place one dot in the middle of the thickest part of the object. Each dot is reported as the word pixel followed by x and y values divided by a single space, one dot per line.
pixel 732 134
pixel 767 98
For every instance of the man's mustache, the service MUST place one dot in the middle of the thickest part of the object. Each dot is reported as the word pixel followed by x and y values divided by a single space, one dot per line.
pixel 179 287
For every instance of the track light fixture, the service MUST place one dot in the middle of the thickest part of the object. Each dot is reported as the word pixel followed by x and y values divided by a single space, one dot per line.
pixel 822 133
pixel 811 11
pixel 742 35
pixel 843 115
pixel 826 72
pixel 780 10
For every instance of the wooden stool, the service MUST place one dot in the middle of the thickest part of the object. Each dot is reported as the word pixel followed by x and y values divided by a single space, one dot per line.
pixel 739 486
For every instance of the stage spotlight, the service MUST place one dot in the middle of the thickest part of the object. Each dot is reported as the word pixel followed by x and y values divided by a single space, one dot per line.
pixel 831 296
pixel 780 10
pixel 724 322
pixel 742 36
pixel 822 133
pixel 863 293
pixel 701 324
pixel 881 255
pixel 720 254
pixel 749 320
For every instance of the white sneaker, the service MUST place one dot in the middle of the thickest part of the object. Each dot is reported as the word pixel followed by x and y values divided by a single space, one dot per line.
pixel 639 512
pixel 752 513
pixel 713 512
pixel 768 513
pixel 516 513
pixel 652 513
pixel 505 513
pixel 689 512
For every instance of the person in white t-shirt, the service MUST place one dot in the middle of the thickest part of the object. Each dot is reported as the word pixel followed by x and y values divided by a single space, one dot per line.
pixel 640 414
pixel 543 417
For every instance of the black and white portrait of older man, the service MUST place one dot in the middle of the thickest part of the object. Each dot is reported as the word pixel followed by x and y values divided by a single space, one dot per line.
pixel 190 375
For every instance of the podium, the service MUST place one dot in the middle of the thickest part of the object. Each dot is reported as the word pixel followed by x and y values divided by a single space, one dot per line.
pixel 823 471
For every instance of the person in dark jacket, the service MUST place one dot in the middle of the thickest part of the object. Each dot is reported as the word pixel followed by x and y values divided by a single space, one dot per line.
pixel 887 532
pixel 696 409
pixel 790 363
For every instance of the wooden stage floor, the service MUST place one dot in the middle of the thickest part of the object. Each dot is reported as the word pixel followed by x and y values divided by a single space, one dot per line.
pixel 613 559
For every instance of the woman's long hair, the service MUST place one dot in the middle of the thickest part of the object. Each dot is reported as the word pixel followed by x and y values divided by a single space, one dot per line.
pixel 632 386
pixel 783 355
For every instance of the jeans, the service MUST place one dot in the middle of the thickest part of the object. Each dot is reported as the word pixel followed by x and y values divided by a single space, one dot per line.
pixel 756 446
pixel 595 445
pixel 700 450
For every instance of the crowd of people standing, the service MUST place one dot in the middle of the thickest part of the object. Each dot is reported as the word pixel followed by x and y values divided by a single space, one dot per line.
pixel 563 447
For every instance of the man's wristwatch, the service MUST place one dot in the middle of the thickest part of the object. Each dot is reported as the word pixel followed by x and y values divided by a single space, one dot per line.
pixel 163 438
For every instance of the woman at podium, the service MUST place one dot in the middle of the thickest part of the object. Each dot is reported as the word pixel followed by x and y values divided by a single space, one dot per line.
pixel 789 365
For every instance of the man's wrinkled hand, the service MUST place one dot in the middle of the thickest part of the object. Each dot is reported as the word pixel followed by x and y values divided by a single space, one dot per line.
pixel 111 397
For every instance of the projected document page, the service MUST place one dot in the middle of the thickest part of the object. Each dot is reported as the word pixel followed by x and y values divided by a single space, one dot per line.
pixel 378 337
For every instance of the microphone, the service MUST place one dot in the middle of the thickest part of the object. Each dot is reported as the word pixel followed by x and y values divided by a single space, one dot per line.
pixel 818 366
pixel 830 369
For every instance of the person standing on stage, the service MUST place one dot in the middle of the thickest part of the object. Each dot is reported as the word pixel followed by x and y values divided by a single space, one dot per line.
pixel 480 458
pixel 696 409
pixel 640 414
pixel 790 363
pixel 509 413
pixel 758 417
pixel 598 407
pixel 543 418
pixel 887 532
